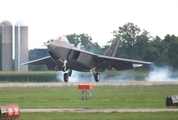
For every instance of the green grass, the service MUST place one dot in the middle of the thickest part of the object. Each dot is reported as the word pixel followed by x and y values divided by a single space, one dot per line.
pixel 100 116
pixel 103 96
pixel 32 76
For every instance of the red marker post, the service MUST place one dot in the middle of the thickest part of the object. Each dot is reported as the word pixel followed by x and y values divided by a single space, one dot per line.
pixel 9 112
pixel 84 88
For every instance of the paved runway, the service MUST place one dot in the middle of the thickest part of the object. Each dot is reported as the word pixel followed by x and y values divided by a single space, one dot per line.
pixel 81 110
pixel 95 84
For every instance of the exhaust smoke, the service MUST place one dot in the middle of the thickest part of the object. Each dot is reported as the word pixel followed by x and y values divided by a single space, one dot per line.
pixel 127 75
pixel 76 77
pixel 162 74
pixel 165 73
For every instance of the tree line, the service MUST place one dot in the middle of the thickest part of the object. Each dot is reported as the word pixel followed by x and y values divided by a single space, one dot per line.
pixel 135 44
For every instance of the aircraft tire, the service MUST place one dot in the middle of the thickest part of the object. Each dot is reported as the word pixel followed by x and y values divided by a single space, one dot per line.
pixel 66 77
pixel 97 77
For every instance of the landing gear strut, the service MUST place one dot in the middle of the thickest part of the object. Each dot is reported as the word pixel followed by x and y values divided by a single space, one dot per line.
pixel 96 75
pixel 64 68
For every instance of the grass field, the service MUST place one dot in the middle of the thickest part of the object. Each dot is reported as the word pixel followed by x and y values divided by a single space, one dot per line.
pixel 103 96
pixel 100 116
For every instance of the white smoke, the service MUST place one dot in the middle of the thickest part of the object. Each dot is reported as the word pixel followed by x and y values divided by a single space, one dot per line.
pixel 161 74
pixel 155 74
pixel 127 75
pixel 76 77
pixel 59 76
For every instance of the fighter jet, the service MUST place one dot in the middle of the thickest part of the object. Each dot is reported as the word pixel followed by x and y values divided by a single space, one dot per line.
pixel 63 56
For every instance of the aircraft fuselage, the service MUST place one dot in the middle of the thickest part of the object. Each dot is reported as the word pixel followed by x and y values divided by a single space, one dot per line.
pixel 79 60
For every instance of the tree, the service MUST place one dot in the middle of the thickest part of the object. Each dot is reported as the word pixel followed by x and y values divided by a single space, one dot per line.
pixel 81 40
pixel 157 43
pixel 143 46
pixel 172 45
pixel 127 48
pixel 96 48
pixel 49 41
pixel 73 39
pixel 32 56
pixel 86 41
pixel 150 54
pixel 167 50
pixel 129 34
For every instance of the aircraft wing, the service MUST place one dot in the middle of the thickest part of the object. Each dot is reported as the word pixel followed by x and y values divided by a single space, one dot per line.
pixel 44 61
pixel 121 63
pixel 106 61
pixel 40 61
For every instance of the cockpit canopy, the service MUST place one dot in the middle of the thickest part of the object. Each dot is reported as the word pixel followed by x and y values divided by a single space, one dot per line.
pixel 62 38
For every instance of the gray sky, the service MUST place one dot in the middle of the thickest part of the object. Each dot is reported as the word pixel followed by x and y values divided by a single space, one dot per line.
pixel 48 19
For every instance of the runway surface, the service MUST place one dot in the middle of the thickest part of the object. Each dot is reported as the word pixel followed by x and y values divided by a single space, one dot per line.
pixel 95 84
pixel 80 110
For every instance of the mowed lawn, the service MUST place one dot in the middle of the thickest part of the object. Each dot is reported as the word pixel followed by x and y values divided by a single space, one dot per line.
pixel 103 96
pixel 100 116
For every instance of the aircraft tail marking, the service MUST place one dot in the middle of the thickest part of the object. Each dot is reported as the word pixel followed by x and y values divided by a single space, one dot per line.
pixel 111 51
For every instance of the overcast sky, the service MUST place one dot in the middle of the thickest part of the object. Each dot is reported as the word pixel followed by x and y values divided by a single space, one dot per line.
pixel 98 18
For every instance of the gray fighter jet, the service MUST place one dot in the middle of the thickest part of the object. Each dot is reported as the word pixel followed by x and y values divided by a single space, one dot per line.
pixel 65 57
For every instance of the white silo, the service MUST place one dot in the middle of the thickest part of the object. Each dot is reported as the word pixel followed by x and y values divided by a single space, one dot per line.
pixel 6 34
pixel 21 46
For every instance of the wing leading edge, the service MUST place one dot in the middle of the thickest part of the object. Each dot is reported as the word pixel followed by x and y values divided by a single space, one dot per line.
pixel 51 65
pixel 41 61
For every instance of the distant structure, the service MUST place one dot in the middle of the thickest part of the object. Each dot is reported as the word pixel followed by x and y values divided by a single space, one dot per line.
pixel 6 55
pixel 21 46
pixel 41 52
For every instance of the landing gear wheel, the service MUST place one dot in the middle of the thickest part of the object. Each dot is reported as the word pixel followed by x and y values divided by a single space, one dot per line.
pixel 97 77
pixel 66 77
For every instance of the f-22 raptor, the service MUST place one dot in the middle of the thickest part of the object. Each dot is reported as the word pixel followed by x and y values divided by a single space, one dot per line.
pixel 63 56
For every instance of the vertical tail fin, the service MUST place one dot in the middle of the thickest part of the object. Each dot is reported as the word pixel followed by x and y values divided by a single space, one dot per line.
pixel 111 51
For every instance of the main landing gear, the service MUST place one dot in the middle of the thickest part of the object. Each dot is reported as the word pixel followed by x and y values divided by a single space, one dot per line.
pixel 67 75
pixel 64 69
pixel 96 75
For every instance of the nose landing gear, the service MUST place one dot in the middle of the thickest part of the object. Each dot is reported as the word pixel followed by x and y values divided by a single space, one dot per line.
pixel 67 75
